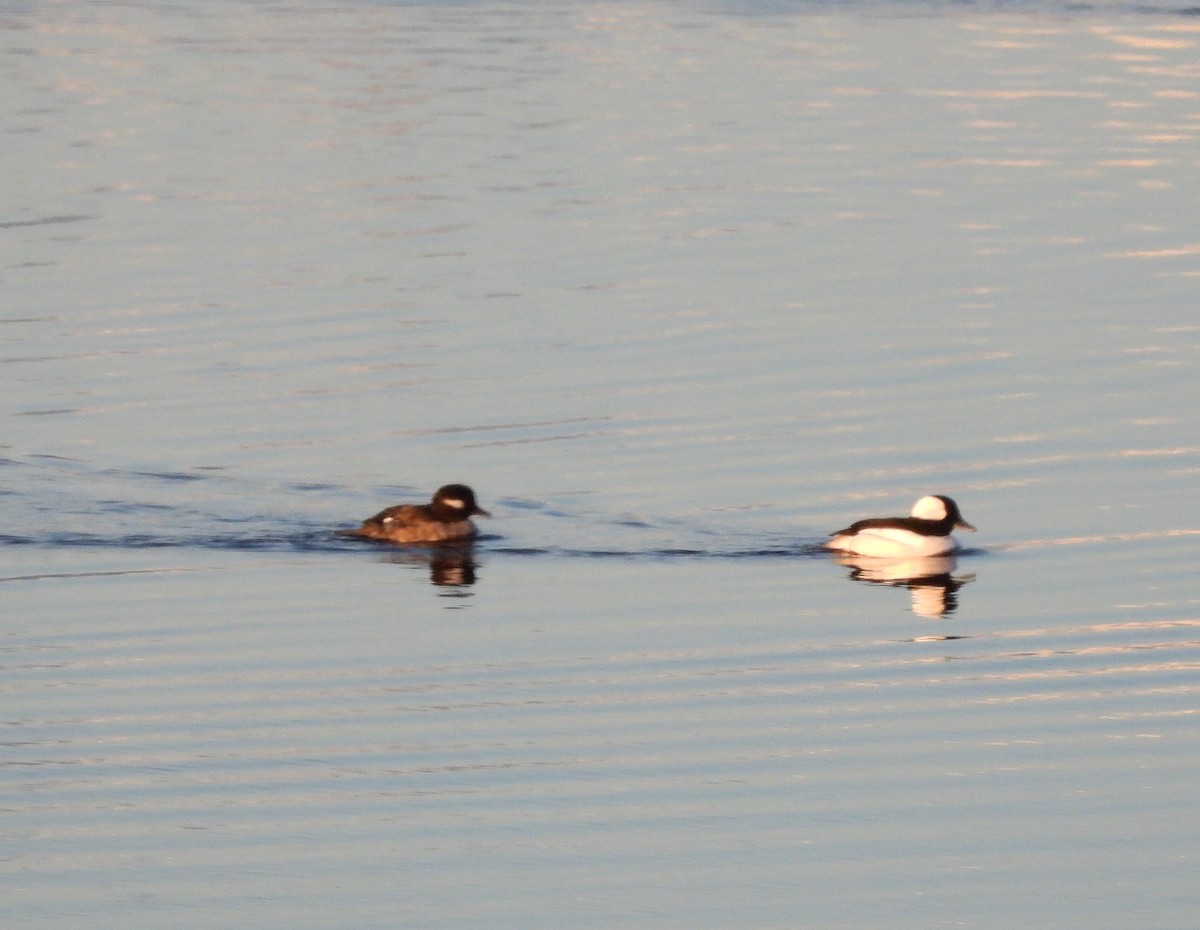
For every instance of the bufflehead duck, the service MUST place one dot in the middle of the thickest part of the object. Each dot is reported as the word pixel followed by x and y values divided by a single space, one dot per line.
pixel 925 532
pixel 447 516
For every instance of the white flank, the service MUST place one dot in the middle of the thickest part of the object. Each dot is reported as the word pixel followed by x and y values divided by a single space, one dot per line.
pixel 891 543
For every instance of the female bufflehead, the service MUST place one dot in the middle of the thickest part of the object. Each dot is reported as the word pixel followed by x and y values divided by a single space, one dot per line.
pixel 925 532
pixel 447 516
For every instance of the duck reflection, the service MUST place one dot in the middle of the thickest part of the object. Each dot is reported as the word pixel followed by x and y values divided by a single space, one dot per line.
pixel 451 565
pixel 931 580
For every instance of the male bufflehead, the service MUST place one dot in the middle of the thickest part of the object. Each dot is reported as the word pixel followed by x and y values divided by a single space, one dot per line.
pixel 925 532
pixel 446 517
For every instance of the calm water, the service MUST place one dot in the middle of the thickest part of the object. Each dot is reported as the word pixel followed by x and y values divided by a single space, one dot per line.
pixel 679 289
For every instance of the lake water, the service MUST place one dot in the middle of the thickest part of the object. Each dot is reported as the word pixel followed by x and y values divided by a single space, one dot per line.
pixel 679 289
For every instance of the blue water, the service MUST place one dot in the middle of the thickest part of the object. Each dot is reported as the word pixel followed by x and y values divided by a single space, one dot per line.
pixel 678 289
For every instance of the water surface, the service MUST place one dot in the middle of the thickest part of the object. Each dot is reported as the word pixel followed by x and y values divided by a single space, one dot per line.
pixel 678 289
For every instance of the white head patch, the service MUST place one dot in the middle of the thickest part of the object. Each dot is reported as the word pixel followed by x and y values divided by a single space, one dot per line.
pixel 929 508
pixel 454 502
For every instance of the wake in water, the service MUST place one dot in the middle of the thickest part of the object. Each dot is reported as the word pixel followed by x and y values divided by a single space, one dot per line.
pixel 69 505
pixel 304 538
pixel 60 503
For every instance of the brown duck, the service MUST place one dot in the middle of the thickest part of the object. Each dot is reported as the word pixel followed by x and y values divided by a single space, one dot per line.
pixel 446 517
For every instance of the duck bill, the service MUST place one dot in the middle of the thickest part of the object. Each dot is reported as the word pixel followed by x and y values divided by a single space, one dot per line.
pixel 480 512
pixel 964 525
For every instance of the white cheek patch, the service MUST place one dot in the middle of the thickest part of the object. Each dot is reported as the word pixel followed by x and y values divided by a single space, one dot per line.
pixel 388 519
pixel 454 502
pixel 929 508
